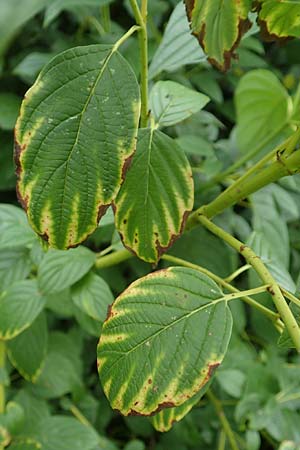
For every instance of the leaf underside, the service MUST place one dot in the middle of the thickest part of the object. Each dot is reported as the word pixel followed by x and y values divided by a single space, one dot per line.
pixel 163 339
pixel 219 26
pixel 156 196
pixel 74 138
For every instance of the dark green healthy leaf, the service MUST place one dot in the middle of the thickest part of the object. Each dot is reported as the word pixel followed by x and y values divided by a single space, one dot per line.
pixel 19 306
pixel 8 177
pixel 9 109
pixel 65 433
pixel 151 217
pixel 74 137
pixel 171 102
pixel 165 419
pixel 93 296
pixel 279 19
pixel 27 351
pixel 219 27
pixel 177 47
pixel 263 108
pixel 60 269
pixel 35 409
pixel 163 339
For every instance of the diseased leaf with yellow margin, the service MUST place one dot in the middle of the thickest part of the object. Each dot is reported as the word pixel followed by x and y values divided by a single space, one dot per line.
pixel 279 19
pixel 156 196
pixel 165 419
pixel 74 138
pixel 163 338
pixel 219 26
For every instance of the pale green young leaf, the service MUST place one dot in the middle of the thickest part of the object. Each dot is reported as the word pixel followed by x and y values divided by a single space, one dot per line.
pixel 163 339
pixel 60 269
pixel 93 296
pixel 263 108
pixel 19 307
pixel 15 265
pixel 151 217
pixel 76 130
pixel 171 102
pixel 279 19
pixel 177 47
pixel 14 228
pixel 27 351
pixel 219 27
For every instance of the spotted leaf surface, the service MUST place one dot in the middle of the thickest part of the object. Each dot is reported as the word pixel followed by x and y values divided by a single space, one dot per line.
pixel 163 338
pixel 75 133
pixel 219 26
pixel 156 196
pixel 279 19
pixel 165 419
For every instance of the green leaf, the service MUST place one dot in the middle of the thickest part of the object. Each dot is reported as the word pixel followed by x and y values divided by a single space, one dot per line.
pixel 57 6
pixel 27 351
pixel 285 340
pixel 263 108
pixel 9 108
pixel 177 47
pixel 93 296
pixel 60 269
pixel 279 19
pixel 165 419
pixel 163 339
pixel 15 265
pixel 13 15
pixel 65 433
pixel 151 217
pixel 232 381
pixel 31 65
pixel 19 307
pixel 14 417
pixel 8 177
pixel 14 228
pixel 26 444
pixel 61 372
pixel 219 27
pixel 135 445
pixel 74 137
pixel 171 102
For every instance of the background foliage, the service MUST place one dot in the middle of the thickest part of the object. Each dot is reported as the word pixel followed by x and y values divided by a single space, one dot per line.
pixel 50 377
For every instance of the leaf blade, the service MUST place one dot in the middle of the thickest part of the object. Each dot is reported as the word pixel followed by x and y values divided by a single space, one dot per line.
pixel 74 135
pixel 155 367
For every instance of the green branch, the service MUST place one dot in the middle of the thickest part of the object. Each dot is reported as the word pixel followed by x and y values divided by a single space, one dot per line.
pixel 102 262
pixel 141 20
pixel 267 312
pixel 262 271
pixel 287 162
pixel 2 368
pixel 223 419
